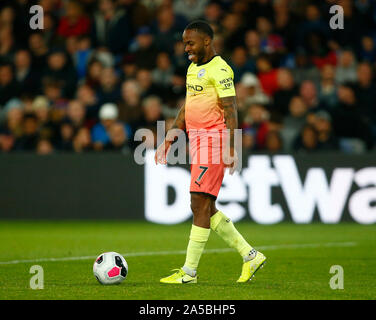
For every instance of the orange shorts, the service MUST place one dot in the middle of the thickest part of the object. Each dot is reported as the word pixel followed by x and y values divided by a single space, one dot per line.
pixel 207 167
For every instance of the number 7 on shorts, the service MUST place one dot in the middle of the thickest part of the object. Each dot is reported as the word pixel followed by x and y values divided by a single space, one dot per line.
pixel 204 169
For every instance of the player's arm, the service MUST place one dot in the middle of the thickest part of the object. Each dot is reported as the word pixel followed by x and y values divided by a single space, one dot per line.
pixel 223 80
pixel 231 116
pixel 179 122
pixel 177 126
pixel 231 119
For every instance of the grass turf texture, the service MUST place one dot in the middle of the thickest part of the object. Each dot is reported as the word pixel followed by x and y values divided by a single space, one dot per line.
pixel 290 272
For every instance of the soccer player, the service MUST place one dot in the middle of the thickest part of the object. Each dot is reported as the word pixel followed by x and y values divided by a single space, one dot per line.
pixel 210 106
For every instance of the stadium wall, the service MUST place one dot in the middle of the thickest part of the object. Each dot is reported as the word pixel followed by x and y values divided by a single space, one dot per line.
pixel 327 188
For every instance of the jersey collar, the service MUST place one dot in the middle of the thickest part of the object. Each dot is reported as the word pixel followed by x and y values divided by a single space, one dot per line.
pixel 201 64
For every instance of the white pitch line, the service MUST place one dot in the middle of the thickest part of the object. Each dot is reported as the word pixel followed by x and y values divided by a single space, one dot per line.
pixel 162 253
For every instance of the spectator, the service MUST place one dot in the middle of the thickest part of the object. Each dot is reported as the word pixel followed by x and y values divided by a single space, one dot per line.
pixel 252 43
pixel 364 10
pixel 304 69
pixel 254 93
pixel 151 113
pixel 66 135
pixel 137 12
pixel 176 90
pixel 109 89
pixel 145 81
pixel 241 96
pixel 190 9
pixel 7 44
pixel 152 5
pixel 219 45
pixel 365 91
pixel 94 73
pixel 307 141
pixel 8 84
pixel 52 90
pixel 233 30
pixel 118 139
pixel 130 104
pixel 294 122
pixel 239 7
pixel 308 92
pixel 256 122
pixel 286 23
pixel 260 8
pixel 108 115
pixel 28 79
pixel 367 51
pixel 273 142
pixel 14 19
pixel 346 69
pixel 248 140
pixel 267 75
pixel 48 33
pixel 240 63
pixel 167 27
pixel 355 26
pixel 14 112
pixel 29 139
pixel 179 58
pixel 128 67
pixel 59 68
pixel 39 50
pixel 328 87
pixel 74 22
pixel 82 141
pixel 27 101
pixel 327 140
pixel 347 115
pixel 270 42
pixel 44 147
pixel 82 55
pixel 110 27
pixel 213 12
pixel 41 109
pixel 6 142
pixel 144 49
pixel 50 6
pixel 164 70
pixel 320 53
pixel 76 114
pixel 286 90
pixel 86 95
pixel 312 24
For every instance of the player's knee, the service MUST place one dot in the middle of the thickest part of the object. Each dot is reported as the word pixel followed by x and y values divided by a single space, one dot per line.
pixel 195 206
pixel 200 205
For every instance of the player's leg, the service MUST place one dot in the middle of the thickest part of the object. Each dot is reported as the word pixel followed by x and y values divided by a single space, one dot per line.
pixel 252 259
pixel 224 227
pixel 201 205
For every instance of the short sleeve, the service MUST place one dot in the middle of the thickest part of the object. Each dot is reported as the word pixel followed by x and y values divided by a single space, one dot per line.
pixel 222 77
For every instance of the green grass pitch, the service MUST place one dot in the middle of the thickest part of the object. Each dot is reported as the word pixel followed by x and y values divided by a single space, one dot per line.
pixel 299 258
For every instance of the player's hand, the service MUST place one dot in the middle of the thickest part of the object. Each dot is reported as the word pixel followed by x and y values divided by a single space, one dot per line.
pixel 230 159
pixel 161 153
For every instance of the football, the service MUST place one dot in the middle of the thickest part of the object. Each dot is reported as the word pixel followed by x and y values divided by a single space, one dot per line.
pixel 110 268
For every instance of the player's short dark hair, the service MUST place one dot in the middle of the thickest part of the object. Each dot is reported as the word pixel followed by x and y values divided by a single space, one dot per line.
pixel 201 26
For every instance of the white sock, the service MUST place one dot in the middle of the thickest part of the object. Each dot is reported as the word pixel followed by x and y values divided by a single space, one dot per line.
pixel 189 271
pixel 250 256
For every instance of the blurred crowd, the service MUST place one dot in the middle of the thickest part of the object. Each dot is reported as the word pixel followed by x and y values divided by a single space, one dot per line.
pixel 101 69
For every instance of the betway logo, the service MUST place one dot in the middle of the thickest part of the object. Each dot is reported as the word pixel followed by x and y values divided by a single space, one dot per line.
pixel 254 187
